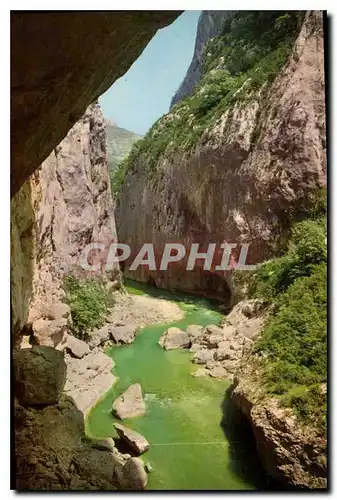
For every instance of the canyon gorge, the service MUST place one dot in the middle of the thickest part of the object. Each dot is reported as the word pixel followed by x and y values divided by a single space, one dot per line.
pixel 240 157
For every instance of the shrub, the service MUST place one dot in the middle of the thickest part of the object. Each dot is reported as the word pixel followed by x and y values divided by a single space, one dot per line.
pixel 306 249
pixel 308 403
pixel 294 340
pixel 88 301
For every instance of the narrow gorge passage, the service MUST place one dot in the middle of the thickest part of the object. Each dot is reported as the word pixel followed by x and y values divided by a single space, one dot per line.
pixel 201 175
pixel 188 447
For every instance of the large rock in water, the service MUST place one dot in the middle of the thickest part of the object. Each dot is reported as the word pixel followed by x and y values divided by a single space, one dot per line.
pixel 60 63
pixel 202 356
pixel 88 378
pixel 133 439
pixel 40 374
pixel 130 403
pixel 174 338
pixel 194 332
pixel 124 334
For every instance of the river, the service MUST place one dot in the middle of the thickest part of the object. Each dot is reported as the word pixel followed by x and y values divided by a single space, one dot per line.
pixel 193 446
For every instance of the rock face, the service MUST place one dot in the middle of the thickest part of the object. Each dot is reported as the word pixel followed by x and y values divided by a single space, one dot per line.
pixel 129 404
pixel 51 450
pixel 55 76
pixel 40 374
pixel 262 160
pixel 292 454
pixel 70 206
pixel 174 338
pixel 52 453
pixel 133 439
pixel 209 26
pixel 65 205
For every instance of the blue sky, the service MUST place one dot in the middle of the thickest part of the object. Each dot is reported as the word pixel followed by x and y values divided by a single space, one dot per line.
pixel 143 94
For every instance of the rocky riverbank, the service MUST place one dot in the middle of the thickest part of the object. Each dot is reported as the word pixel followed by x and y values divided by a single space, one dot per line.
pixel 82 373
pixel 293 454
pixel 220 349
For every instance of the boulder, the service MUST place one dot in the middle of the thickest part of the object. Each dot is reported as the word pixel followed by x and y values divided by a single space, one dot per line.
pixel 77 347
pixel 58 310
pixel 212 363
pixel 133 439
pixel 231 366
pixel 246 319
pixel 49 332
pixel 213 341
pixel 40 374
pixel 88 378
pixel 130 403
pixel 212 335
pixel 132 475
pixel 174 338
pixel 124 334
pixel 228 331
pixel 212 330
pixel 251 308
pixel 218 372
pixel 203 356
pixel 100 335
pixel 194 332
pixel 224 354
pixel 63 344
pixel 195 347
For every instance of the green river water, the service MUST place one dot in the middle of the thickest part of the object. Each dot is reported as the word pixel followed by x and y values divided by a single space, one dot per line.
pixel 193 445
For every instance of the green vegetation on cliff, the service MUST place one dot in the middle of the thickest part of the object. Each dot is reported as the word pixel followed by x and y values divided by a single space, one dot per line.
pixel 88 301
pixel 119 142
pixel 294 340
pixel 253 48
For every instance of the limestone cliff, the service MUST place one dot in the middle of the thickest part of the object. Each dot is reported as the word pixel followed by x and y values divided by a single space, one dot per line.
pixel 240 158
pixel 65 205
pixel 209 25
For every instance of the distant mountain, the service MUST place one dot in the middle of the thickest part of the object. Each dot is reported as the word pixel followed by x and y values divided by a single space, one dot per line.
pixel 119 143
